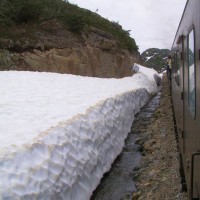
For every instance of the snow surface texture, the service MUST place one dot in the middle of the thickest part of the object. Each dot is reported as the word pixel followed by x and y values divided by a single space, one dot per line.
pixel 60 133
pixel 150 73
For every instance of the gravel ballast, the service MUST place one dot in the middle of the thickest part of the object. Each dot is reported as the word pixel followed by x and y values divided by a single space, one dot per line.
pixel 158 174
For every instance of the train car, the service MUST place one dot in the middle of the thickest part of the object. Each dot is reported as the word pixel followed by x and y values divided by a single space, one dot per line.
pixel 185 84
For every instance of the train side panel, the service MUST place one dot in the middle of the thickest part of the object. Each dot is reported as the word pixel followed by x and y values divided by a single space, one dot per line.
pixel 187 108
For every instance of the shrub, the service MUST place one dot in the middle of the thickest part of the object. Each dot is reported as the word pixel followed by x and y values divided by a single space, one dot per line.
pixel 75 23
pixel 26 11
pixel 5 12
pixel 75 18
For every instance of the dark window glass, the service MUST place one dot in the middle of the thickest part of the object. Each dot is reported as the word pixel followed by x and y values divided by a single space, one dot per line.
pixel 191 72
pixel 177 68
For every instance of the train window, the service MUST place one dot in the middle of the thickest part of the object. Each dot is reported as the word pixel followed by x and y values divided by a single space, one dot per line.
pixel 191 72
pixel 177 68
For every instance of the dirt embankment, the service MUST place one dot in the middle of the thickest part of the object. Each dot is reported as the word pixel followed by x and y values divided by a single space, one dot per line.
pixel 49 47
pixel 158 175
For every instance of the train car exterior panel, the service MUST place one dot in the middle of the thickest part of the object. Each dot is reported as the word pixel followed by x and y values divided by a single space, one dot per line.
pixel 186 83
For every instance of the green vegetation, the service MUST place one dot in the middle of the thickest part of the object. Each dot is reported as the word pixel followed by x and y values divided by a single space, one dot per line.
pixel 155 58
pixel 18 12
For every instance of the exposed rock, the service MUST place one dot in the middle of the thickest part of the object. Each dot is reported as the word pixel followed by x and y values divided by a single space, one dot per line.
pixel 55 49
pixel 85 61
pixel 39 46
pixel 136 195
pixel 155 58
pixel 4 43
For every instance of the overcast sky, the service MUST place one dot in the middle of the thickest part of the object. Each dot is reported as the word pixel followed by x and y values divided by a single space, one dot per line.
pixel 153 23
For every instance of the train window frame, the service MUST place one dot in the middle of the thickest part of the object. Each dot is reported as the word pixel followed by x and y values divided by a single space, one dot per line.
pixel 192 106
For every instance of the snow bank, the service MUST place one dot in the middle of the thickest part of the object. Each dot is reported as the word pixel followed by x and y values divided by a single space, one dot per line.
pixel 60 133
pixel 150 73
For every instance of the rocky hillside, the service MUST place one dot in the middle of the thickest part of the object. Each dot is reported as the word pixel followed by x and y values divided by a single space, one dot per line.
pixel 56 36
pixel 155 58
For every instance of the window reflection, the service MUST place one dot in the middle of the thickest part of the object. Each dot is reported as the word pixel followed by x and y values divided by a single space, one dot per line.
pixel 191 72
pixel 176 67
pixel 177 77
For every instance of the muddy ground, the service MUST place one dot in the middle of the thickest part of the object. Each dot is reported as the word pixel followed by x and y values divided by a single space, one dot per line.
pixel 157 176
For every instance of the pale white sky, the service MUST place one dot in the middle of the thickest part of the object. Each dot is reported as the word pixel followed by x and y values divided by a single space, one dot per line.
pixel 153 23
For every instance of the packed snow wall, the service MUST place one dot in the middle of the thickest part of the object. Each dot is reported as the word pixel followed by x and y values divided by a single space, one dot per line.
pixel 68 160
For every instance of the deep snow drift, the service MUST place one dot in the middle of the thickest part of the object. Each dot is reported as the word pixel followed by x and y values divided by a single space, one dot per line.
pixel 60 133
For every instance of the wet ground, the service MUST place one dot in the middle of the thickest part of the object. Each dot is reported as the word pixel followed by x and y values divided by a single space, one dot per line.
pixel 118 183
